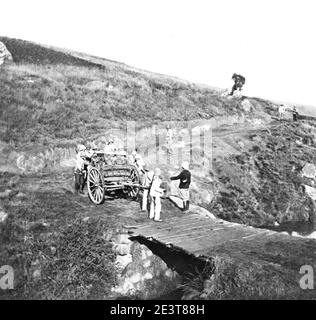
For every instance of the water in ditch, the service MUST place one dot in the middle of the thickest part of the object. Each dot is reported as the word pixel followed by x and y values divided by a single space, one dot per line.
pixel 304 229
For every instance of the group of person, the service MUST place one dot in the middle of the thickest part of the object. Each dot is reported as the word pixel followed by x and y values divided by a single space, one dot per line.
pixel 152 179
pixel 154 192
pixel 282 109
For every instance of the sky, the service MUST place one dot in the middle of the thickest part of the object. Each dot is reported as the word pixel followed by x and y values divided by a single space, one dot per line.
pixel 270 42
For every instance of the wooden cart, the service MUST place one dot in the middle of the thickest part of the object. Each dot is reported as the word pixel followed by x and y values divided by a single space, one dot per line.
pixel 109 172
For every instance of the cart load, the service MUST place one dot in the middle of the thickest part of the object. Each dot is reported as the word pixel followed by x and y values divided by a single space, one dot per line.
pixel 110 172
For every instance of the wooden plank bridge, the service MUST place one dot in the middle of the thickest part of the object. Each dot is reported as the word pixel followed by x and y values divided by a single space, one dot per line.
pixel 198 232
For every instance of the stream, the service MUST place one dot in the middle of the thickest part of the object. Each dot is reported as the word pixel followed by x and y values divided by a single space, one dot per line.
pixel 304 229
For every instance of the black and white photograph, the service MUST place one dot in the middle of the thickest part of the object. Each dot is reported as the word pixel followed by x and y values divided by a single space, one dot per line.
pixel 157 151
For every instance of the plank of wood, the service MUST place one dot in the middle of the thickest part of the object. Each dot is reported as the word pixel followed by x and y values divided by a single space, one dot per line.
pixel 173 230
pixel 206 232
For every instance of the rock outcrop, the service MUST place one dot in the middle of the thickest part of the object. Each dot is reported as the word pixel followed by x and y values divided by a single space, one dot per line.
pixel 143 274
pixel 5 55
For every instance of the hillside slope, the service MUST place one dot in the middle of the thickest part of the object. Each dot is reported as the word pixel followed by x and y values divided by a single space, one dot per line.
pixel 48 94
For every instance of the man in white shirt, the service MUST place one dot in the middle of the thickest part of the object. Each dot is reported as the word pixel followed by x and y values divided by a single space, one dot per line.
pixel 148 178
pixel 155 196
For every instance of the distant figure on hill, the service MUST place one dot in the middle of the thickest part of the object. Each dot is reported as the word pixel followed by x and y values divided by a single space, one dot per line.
pixel 239 81
pixel 282 110
pixel 295 114
pixel 169 138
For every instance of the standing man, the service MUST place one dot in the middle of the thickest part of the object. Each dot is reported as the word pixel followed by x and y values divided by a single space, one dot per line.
pixel 155 196
pixel 137 160
pixel 239 81
pixel 295 114
pixel 79 168
pixel 282 110
pixel 148 178
pixel 169 137
pixel 185 180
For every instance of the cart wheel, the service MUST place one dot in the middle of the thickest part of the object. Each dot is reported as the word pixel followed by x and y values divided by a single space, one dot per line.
pixel 133 178
pixel 95 185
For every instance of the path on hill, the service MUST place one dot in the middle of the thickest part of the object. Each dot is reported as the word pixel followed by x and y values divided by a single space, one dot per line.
pixel 221 141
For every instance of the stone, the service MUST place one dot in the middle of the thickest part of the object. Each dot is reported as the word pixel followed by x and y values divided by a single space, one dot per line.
pixel 247 106
pixel 124 288
pixel 309 171
pixel 38 226
pixel 21 195
pixel 203 296
pixel 135 278
pixel 138 286
pixel 122 249
pixel 3 217
pixel 208 284
pixel 122 238
pixel 241 145
pixel 123 261
pixel 206 196
pixel 5 55
pixel 5 194
pixel 158 272
pixel 148 276
pixel 144 255
pixel 146 263
pixel 310 191
pixel 97 85
pixel 37 274
pixel 169 273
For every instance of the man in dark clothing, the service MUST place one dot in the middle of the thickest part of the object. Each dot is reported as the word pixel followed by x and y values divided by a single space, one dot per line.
pixel 185 180
pixel 239 81
pixel 295 114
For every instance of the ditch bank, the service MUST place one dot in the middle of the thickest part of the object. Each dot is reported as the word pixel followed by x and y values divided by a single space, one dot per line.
pixel 150 269
pixel 267 270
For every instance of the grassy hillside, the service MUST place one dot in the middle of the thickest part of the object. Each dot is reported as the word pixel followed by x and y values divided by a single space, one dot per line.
pixel 52 98
pixel 50 94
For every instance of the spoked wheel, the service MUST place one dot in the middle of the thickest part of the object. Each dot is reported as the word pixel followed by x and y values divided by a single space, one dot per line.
pixel 95 186
pixel 134 178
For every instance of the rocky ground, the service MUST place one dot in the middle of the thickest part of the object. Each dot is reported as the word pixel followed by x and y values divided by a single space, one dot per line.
pixel 60 244
pixel 263 184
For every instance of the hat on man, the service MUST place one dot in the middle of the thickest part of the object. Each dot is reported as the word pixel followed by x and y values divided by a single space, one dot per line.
pixel 185 165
